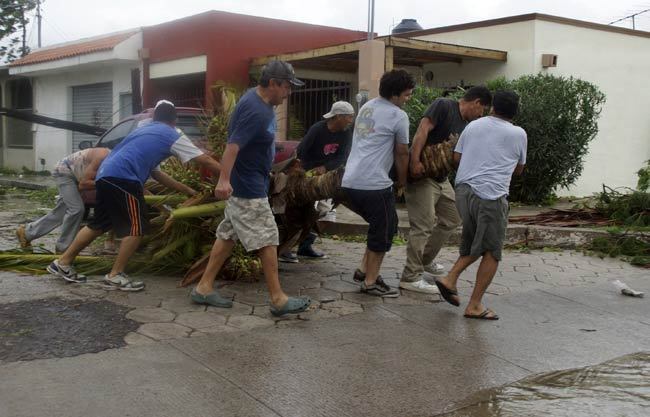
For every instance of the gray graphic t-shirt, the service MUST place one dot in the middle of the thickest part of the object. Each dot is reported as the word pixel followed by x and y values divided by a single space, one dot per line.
pixel 379 125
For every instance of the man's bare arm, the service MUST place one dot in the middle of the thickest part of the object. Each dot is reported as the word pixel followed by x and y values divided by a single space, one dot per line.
pixel 401 163
pixel 171 183
pixel 419 140
pixel 519 169
pixel 88 180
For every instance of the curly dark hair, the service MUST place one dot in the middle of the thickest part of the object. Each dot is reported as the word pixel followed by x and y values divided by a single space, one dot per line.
pixel 394 83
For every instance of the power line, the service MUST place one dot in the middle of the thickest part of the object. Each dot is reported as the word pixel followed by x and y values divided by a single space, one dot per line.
pixel 632 16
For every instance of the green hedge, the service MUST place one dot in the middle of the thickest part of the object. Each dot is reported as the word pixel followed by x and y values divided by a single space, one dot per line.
pixel 560 117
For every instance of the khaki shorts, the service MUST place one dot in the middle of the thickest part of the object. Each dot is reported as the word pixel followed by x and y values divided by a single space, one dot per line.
pixel 250 221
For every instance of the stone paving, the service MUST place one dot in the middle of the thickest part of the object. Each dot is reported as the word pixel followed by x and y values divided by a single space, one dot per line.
pixel 165 312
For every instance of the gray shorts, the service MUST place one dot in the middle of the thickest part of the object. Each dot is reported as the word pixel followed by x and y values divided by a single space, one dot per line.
pixel 484 223
pixel 250 221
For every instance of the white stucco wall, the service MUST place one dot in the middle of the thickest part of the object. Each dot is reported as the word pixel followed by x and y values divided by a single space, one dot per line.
pixel 617 63
pixel 52 83
pixel 515 38
pixel 53 97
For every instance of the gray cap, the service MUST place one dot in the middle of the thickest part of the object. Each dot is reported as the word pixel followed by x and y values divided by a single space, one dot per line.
pixel 340 107
pixel 281 70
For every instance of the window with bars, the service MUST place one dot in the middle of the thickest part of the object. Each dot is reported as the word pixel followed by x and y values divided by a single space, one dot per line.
pixel 308 104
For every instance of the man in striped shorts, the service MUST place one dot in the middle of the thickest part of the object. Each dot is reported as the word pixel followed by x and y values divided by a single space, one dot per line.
pixel 120 192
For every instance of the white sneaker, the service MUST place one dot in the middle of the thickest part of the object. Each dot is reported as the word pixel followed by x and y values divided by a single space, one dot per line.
pixel 419 286
pixel 434 268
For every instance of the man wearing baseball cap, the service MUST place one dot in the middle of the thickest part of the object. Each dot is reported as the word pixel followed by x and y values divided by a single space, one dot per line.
pixel 244 182
pixel 325 147
pixel 120 193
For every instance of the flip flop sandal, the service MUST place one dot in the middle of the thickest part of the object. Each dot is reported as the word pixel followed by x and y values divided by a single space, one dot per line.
pixel 294 305
pixel 483 315
pixel 446 293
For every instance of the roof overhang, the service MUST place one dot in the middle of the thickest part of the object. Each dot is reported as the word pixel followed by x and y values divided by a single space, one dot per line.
pixel 406 52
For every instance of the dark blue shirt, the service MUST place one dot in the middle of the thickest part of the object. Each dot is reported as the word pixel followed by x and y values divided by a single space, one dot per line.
pixel 249 128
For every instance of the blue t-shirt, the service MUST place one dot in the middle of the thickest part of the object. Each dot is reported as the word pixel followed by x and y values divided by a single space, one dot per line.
pixel 144 149
pixel 249 128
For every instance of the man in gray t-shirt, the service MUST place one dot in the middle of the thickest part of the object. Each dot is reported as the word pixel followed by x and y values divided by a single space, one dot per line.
pixel 489 151
pixel 381 137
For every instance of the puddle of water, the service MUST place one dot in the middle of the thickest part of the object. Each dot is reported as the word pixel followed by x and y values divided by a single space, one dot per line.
pixel 620 387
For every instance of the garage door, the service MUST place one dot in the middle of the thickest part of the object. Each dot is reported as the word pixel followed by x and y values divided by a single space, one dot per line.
pixel 93 105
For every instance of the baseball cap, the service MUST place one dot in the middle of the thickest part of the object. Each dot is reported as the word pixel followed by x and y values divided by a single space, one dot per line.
pixel 165 111
pixel 340 107
pixel 281 70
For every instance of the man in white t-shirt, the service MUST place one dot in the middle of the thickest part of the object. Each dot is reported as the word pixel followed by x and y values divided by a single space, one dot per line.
pixel 381 137
pixel 490 150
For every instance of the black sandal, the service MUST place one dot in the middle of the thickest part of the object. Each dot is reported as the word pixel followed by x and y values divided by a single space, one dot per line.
pixel 446 293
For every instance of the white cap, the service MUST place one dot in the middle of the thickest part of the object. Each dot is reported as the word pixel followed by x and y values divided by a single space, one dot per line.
pixel 340 107
pixel 164 102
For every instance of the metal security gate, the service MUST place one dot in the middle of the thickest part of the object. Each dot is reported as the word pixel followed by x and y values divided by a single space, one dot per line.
pixel 307 105
pixel 92 105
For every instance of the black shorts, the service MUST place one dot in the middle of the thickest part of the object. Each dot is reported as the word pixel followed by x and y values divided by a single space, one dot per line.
pixel 377 207
pixel 120 207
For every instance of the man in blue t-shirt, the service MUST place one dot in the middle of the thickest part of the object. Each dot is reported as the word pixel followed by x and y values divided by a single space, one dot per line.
pixel 244 182
pixel 120 192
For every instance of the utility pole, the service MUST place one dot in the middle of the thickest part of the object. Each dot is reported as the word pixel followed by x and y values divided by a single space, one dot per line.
pixel 38 18
pixel 371 19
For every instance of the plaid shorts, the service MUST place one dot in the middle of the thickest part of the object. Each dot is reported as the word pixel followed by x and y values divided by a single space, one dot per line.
pixel 249 220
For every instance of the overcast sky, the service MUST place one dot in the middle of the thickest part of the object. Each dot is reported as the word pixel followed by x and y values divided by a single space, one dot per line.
pixel 68 20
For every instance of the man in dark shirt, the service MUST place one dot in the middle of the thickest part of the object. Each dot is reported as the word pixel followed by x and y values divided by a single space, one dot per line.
pixel 325 147
pixel 431 201
pixel 244 182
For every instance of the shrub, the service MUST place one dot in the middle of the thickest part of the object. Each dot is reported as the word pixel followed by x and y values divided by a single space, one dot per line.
pixel 560 117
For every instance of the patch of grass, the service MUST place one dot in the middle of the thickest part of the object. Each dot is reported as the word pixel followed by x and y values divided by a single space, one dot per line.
pixel 397 240
pixel 45 196
pixel 633 249
pixel 44 173
pixel 8 171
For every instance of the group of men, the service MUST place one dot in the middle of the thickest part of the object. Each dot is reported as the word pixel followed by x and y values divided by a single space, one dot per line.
pixel 489 151
pixel 378 163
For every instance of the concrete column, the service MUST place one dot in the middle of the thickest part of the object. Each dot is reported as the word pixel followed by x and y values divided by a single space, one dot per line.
pixel 388 61
pixel 371 66
pixel 282 118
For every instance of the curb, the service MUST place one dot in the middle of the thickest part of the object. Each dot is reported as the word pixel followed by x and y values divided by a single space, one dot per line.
pixel 23 184
pixel 528 235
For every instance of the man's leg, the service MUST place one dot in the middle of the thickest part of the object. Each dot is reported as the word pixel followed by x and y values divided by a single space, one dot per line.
pixel 373 265
pixel 53 219
pixel 486 271
pixel 74 213
pixel 421 210
pixel 447 221
pixel 450 281
pixel 221 250
pixel 128 246
pixel 268 256
pixel 84 238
